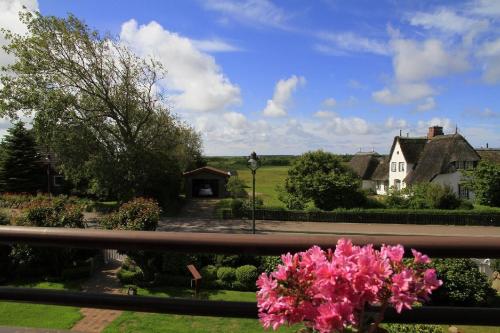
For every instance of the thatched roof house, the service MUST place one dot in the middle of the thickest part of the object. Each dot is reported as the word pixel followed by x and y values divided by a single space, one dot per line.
pixel 443 154
pixel 490 154
pixel 364 164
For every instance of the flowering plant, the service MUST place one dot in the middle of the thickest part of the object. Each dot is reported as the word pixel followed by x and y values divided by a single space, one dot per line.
pixel 329 290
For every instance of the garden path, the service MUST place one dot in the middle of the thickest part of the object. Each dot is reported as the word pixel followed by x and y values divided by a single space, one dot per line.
pixel 103 281
pixel 198 209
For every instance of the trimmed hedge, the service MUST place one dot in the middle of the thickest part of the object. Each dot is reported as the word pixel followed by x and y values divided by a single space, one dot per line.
pixel 226 274
pixel 129 277
pixel 427 216
pixel 413 328
pixel 246 277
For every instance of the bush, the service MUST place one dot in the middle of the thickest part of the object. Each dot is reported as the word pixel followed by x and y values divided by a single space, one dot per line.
pixel 137 214
pixel 237 207
pixel 424 196
pixel 129 277
pixel 209 273
pixel 270 263
pixel 412 328
pixel 463 284
pixel 236 187
pixel 247 276
pixel 226 274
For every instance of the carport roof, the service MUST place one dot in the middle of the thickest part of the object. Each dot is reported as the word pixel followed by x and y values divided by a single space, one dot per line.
pixel 207 169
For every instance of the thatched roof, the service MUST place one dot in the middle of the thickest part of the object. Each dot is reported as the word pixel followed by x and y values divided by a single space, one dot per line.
pixel 438 155
pixel 382 170
pixel 410 147
pixel 364 164
pixel 490 154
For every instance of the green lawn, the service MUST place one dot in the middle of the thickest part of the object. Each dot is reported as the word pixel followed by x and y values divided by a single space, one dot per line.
pixel 142 322
pixel 38 315
pixel 266 180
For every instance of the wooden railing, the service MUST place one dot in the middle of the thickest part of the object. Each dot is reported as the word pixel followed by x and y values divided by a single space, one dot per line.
pixel 436 246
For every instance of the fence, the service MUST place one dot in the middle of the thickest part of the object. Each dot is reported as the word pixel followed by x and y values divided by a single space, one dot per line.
pixel 439 246
pixel 112 255
pixel 367 216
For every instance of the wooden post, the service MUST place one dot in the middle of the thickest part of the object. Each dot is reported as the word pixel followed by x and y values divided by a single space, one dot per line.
pixel 196 278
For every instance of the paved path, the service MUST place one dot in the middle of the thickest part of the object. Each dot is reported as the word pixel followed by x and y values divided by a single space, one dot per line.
pixel 104 281
pixel 244 226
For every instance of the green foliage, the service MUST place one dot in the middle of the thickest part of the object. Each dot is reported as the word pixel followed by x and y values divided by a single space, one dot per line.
pixel 21 168
pixel 137 214
pixel 247 276
pixel 413 328
pixel 463 284
pixel 270 263
pixel 322 178
pixel 495 265
pixel 484 180
pixel 209 273
pixel 236 187
pixel 226 274
pixel 129 277
pixel 425 196
pixel 95 105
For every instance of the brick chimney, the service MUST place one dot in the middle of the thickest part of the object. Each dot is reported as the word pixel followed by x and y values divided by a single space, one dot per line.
pixel 434 131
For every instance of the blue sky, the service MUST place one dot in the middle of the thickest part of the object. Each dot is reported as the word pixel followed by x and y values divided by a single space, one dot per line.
pixel 284 77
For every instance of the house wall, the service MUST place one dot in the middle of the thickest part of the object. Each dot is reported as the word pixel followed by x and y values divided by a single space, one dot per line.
pixel 368 185
pixel 397 156
pixel 452 180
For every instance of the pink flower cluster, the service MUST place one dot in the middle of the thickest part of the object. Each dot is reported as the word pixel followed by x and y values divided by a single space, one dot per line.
pixel 329 290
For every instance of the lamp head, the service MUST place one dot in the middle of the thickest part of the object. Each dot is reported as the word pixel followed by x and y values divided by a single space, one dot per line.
pixel 253 162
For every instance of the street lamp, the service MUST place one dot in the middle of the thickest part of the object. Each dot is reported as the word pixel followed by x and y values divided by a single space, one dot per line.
pixel 253 165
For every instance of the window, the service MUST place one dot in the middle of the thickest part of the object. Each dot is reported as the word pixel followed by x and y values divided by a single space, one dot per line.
pixel 463 192
pixel 393 166
pixel 401 166
pixel 469 165
pixel 397 184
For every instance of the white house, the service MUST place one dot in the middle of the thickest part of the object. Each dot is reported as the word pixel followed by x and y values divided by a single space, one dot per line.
pixel 436 158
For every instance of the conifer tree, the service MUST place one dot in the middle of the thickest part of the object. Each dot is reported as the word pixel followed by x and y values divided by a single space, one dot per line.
pixel 21 169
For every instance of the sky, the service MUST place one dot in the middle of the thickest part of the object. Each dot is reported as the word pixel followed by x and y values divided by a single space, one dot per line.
pixel 288 76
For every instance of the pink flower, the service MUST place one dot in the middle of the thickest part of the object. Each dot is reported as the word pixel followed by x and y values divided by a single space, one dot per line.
pixel 394 253
pixel 420 258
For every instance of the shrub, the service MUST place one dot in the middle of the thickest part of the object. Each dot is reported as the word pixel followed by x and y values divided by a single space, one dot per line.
pixel 417 328
pixel 226 274
pixel 4 218
pixel 247 276
pixel 237 207
pixel 269 263
pixel 463 284
pixel 129 277
pixel 236 187
pixel 209 273
pixel 137 214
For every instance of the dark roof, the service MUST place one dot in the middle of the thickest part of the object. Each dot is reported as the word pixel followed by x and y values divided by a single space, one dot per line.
pixel 382 170
pixel 410 147
pixel 438 155
pixel 207 169
pixel 364 164
pixel 490 154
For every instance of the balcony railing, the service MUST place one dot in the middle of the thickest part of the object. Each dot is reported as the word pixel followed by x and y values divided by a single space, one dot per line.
pixel 435 246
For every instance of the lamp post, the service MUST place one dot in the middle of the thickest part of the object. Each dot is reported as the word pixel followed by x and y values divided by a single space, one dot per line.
pixel 47 159
pixel 253 165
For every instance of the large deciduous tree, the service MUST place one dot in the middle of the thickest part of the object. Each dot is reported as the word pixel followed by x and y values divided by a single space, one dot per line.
pixel 321 177
pixel 21 169
pixel 98 106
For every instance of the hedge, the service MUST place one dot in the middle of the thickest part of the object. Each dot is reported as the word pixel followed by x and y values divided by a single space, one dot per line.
pixel 427 216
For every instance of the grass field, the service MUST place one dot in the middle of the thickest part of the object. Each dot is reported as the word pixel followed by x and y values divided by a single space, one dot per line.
pixel 38 315
pixel 266 180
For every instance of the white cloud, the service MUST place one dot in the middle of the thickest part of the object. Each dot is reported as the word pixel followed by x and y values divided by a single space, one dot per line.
pixel 488 8
pixel 196 81
pixel 329 102
pixel 403 93
pixel 490 54
pixel 235 119
pixel 393 123
pixel 214 45
pixel 278 105
pixel 446 123
pixel 9 20
pixel 448 21
pixel 427 105
pixel 252 12
pixel 417 61
pixel 341 43
pixel 325 114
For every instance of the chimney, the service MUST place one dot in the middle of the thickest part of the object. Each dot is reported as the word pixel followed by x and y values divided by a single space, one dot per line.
pixel 487 145
pixel 434 131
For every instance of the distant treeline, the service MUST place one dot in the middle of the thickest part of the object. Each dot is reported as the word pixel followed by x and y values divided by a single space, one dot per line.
pixel 239 162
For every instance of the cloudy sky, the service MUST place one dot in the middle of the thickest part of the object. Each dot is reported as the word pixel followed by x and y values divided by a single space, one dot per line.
pixel 287 76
